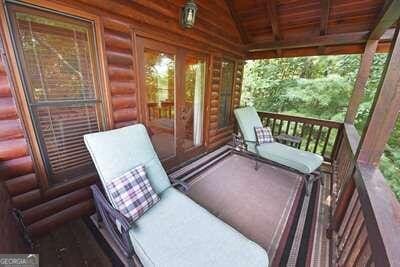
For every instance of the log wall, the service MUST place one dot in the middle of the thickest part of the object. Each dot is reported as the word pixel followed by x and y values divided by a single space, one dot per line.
pixel 219 136
pixel 121 21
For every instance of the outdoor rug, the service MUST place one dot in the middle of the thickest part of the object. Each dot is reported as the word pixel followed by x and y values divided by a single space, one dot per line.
pixel 259 204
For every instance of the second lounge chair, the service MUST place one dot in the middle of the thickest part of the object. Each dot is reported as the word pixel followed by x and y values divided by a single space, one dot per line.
pixel 306 163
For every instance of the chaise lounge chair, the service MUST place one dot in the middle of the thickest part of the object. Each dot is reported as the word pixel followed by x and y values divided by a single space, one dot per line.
pixel 305 163
pixel 175 231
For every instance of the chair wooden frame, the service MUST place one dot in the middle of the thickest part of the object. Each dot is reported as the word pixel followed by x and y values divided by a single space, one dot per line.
pixel 239 143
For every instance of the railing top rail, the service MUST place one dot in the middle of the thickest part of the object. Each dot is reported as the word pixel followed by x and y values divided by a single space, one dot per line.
pixel 380 207
pixel 352 137
pixel 327 123
pixel 382 214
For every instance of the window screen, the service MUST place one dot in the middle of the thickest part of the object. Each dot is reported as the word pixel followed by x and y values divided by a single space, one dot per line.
pixel 225 96
pixel 57 60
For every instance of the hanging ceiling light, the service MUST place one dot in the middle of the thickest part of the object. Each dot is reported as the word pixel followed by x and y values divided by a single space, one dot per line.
pixel 189 11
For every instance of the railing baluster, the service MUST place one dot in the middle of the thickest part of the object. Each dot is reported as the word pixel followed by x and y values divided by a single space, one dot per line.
pixel 303 127
pixel 318 137
pixel 309 136
pixel 326 142
pixel 280 127
pixel 273 126
pixel 287 127
pixel 268 119
pixel 295 129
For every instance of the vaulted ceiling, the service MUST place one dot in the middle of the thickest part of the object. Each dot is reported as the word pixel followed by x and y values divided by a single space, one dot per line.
pixel 275 28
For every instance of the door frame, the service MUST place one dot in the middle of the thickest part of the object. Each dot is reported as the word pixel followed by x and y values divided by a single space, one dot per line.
pixel 181 155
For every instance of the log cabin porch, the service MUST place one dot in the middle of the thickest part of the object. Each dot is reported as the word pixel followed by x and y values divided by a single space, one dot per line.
pixel 70 68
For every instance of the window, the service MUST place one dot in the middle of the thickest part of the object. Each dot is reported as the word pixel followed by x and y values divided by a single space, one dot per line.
pixel 225 96
pixel 57 60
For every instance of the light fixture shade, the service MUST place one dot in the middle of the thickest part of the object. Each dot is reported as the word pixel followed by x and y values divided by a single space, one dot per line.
pixel 189 11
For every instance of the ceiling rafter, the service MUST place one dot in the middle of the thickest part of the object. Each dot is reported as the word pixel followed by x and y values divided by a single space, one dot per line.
pixel 236 19
pixel 325 40
pixel 323 28
pixel 389 15
pixel 325 6
pixel 273 18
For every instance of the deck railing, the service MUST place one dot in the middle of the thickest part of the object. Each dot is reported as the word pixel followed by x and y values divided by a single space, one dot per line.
pixel 318 136
pixel 366 215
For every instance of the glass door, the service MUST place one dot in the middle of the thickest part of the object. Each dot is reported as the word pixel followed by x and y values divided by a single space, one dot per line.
pixel 192 109
pixel 158 89
pixel 172 99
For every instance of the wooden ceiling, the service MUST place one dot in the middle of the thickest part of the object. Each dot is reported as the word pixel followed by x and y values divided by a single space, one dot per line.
pixel 279 28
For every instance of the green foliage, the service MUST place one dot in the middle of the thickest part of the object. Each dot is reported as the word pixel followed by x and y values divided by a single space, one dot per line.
pixel 319 87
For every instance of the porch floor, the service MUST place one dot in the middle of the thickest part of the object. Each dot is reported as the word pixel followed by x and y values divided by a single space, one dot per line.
pixel 73 244
pixel 268 206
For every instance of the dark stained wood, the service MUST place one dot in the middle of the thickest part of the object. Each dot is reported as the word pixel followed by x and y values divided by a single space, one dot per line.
pixel 50 223
pixel 273 16
pixel 318 137
pixel 305 126
pixel 361 80
pixel 16 167
pixel 384 112
pixel 273 19
pixel 11 239
pixel 366 212
pixel 325 5
pixel 72 244
pixel 383 47
pixel 235 17
pixel 215 34
pixel 46 209
pixel 216 137
pixel 390 15
pixel 27 200
pixel 302 42
pixel 21 184
pixel 382 212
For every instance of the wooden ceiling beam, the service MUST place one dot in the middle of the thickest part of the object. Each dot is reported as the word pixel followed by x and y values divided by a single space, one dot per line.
pixel 236 19
pixel 389 16
pixel 273 18
pixel 325 5
pixel 323 28
pixel 313 51
pixel 325 40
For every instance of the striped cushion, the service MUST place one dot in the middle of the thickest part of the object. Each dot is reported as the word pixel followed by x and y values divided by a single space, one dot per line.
pixel 263 135
pixel 132 193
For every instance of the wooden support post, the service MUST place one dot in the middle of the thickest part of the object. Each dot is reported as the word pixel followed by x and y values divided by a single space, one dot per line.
pixel 361 81
pixel 384 111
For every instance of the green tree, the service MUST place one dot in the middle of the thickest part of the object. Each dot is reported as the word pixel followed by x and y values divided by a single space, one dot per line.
pixel 319 87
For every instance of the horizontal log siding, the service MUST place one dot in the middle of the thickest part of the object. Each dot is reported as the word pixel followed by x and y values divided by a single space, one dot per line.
pixel 218 137
pixel 121 74
pixel 16 165
pixel 43 211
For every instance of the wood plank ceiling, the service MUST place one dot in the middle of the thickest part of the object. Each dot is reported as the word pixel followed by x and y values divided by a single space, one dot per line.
pixel 284 28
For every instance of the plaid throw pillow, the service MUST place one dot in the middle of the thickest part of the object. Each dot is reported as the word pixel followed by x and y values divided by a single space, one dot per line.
pixel 264 135
pixel 132 193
